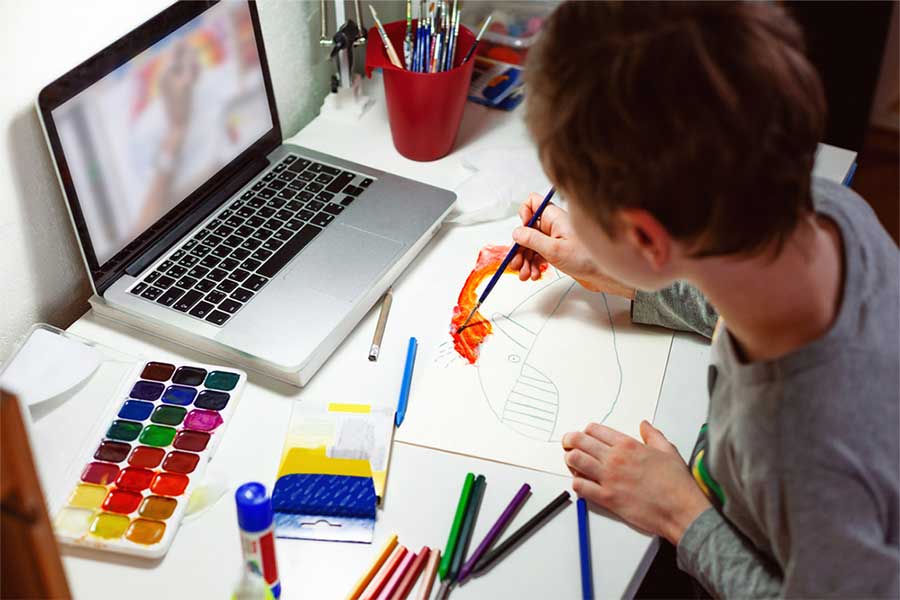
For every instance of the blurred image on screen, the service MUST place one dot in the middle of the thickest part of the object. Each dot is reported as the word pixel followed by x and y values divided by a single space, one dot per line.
pixel 140 140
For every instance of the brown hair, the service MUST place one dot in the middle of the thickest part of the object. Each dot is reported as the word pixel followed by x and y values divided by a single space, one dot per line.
pixel 705 114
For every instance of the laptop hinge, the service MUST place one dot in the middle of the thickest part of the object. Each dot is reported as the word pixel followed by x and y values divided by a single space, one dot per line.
pixel 213 201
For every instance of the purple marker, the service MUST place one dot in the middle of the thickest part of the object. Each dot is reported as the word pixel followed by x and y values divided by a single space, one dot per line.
pixel 505 517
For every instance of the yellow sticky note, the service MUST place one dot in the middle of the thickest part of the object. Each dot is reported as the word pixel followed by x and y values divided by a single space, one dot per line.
pixel 349 408
pixel 298 461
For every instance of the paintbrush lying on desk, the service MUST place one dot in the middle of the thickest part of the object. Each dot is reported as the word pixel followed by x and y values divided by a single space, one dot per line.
pixel 509 256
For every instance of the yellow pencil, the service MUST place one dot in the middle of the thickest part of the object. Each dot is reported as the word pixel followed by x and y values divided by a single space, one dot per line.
pixel 386 550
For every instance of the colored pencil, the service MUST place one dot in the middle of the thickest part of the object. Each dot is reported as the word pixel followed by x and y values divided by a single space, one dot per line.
pixel 403 401
pixel 465 536
pixel 521 533
pixel 385 574
pixel 509 256
pixel 399 573
pixel 468 527
pixel 496 530
pixel 431 569
pixel 481 31
pixel 375 349
pixel 376 564
pixel 584 551
pixel 412 575
pixel 392 54
pixel 457 523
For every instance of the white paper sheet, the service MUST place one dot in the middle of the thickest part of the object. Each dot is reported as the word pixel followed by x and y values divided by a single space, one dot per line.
pixel 559 358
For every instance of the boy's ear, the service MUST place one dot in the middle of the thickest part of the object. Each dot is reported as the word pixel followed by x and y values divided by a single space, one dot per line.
pixel 647 236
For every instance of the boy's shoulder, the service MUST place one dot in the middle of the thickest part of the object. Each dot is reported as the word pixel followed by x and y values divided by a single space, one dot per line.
pixel 855 217
pixel 835 414
pixel 869 319
pixel 833 402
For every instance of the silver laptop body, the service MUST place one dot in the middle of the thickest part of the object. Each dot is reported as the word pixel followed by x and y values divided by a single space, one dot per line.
pixel 270 265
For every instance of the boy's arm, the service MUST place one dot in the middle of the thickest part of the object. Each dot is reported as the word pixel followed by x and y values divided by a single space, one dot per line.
pixel 679 306
pixel 724 561
pixel 829 540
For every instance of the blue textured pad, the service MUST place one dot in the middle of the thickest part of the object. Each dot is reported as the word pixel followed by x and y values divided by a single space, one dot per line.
pixel 330 495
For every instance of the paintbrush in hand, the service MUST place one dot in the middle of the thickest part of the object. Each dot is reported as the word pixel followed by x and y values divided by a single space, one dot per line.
pixel 509 256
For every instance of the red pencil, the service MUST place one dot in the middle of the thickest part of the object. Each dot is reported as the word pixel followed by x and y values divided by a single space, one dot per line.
pixel 393 583
pixel 382 578
pixel 412 575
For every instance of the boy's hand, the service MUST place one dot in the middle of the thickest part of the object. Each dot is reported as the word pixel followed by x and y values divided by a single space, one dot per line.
pixel 554 241
pixel 648 485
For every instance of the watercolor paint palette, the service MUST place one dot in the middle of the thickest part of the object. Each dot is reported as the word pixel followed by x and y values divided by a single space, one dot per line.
pixel 130 491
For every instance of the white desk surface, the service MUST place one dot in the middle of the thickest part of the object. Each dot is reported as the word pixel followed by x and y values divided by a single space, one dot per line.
pixel 423 484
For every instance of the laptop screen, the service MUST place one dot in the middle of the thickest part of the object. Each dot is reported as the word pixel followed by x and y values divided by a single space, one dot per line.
pixel 142 138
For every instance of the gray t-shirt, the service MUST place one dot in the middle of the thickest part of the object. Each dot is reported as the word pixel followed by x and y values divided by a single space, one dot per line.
pixel 805 449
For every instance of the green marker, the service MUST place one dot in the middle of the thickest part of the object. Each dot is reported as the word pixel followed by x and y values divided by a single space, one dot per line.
pixel 468 526
pixel 452 540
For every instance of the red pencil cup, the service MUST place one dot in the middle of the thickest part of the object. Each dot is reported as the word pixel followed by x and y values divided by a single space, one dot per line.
pixel 424 109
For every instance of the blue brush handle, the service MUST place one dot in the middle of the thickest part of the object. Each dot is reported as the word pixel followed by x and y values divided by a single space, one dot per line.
pixel 515 248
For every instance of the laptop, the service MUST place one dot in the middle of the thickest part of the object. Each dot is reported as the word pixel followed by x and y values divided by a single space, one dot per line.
pixel 197 223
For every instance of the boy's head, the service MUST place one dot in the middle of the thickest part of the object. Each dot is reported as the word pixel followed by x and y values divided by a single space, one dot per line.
pixel 697 122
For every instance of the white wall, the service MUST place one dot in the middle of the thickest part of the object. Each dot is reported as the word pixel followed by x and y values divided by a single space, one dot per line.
pixel 42 277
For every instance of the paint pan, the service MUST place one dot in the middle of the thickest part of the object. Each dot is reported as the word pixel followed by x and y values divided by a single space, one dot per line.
pixel 142 470
pixel 120 452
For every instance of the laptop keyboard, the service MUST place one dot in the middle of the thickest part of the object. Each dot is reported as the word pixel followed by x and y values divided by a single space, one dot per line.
pixel 224 264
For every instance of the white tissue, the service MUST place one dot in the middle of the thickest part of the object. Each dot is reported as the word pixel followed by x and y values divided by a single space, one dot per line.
pixel 502 179
pixel 48 365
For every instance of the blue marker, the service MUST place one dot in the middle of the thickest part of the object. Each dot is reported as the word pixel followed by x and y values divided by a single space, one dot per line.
pixel 407 380
pixel 584 547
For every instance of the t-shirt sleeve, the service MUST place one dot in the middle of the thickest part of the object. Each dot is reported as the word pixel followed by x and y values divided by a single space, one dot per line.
pixel 725 562
pixel 680 306
pixel 837 542
pixel 828 536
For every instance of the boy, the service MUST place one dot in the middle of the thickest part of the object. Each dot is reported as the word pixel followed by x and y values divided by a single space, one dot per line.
pixel 683 136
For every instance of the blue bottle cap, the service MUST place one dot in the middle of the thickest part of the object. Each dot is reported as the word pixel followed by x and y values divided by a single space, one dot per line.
pixel 254 507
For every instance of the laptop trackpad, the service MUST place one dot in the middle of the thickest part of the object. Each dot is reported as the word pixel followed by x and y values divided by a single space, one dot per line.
pixel 344 262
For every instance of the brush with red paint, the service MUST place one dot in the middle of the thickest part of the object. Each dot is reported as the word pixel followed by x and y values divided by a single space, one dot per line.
pixel 512 252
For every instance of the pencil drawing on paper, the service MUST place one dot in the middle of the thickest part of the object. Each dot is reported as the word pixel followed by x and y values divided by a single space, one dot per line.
pixel 505 350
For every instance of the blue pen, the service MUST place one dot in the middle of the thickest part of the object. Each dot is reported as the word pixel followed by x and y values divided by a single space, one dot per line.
pixel 509 256
pixel 407 380
pixel 584 549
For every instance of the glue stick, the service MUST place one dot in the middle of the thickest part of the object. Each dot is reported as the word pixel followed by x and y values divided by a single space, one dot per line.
pixel 252 587
pixel 254 510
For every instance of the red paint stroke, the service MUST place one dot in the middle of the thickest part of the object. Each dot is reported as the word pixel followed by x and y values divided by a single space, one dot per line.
pixel 467 341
